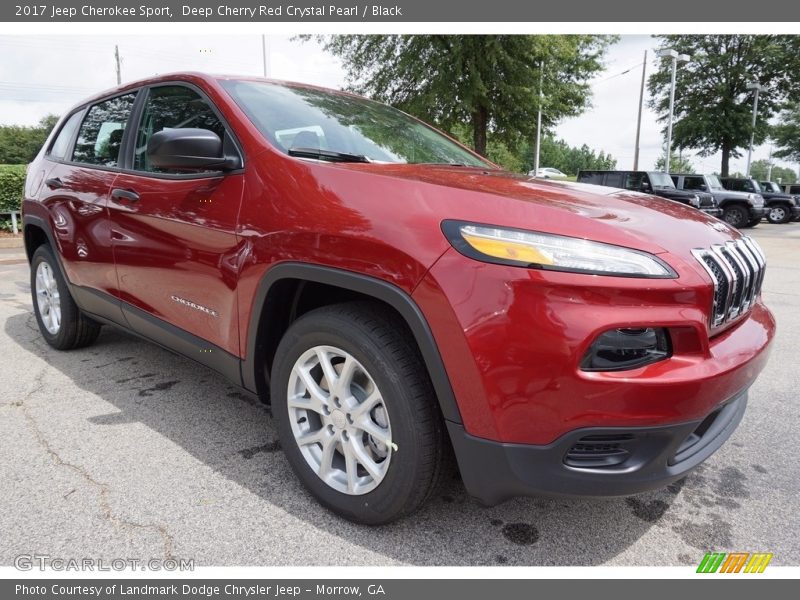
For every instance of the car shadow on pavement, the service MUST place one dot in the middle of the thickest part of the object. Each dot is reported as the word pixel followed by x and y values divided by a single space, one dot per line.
pixel 233 435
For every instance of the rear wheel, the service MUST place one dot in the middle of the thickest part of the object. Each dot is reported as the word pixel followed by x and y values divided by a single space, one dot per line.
pixel 356 413
pixel 779 214
pixel 735 215
pixel 61 322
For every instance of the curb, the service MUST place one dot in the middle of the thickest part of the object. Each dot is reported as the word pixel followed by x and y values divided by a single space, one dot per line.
pixel 12 242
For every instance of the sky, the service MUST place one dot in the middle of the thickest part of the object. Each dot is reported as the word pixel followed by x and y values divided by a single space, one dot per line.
pixel 48 74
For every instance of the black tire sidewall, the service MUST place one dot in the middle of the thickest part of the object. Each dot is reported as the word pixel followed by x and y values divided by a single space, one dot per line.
pixel 386 502
pixel 742 221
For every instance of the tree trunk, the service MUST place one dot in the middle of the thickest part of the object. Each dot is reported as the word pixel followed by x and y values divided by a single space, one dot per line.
pixel 480 122
pixel 726 159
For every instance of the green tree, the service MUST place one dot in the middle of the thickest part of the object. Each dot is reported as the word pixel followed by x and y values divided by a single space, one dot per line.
pixel 569 159
pixel 490 82
pixel 760 170
pixel 787 133
pixel 19 144
pixel 677 163
pixel 713 107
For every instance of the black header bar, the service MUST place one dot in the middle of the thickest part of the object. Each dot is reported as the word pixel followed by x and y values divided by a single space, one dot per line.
pixel 347 11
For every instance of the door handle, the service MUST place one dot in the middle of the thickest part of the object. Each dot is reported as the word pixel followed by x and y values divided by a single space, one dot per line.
pixel 118 195
pixel 54 183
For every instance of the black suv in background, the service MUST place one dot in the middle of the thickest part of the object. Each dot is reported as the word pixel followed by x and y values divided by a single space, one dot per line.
pixel 740 209
pixel 651 182
pixel 772 187
pixel 780 207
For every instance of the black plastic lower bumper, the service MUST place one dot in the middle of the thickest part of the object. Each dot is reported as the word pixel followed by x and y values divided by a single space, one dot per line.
pixel 757 213
pixel 595 461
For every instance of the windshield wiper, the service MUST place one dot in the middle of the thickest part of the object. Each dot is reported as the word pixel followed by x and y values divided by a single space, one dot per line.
pixel 331 155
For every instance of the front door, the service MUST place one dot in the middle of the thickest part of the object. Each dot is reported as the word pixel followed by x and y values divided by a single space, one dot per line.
pixel 174 238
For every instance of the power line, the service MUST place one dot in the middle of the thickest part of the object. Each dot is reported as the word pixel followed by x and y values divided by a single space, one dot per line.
pixel 625 72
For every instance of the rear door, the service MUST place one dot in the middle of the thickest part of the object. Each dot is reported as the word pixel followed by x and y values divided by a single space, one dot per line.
pixel 85 162
pixel 174 237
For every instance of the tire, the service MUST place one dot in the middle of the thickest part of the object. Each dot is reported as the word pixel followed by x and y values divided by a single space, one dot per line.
pixel 751 223
pixel 385 363
pixel 778 214
pixel 735 216
pixel 61 322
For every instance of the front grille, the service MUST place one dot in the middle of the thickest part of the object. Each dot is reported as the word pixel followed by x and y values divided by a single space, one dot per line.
pixel 737 270
pixel 593 451
pixel 707 200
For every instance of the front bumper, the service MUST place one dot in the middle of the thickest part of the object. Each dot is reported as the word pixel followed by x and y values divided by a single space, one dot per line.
pixel 796 213
pixel 757 212
pixel 593 461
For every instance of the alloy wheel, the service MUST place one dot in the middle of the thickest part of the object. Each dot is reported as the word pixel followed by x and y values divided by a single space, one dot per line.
pixel 339 420
pixel 48 298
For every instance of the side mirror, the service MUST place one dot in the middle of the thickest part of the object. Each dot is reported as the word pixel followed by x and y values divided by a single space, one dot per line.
pixel 189 148
pixel 703 187
pixel 646 187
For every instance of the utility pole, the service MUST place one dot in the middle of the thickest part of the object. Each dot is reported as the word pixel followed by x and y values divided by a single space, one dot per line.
pixel 639 118
pixel 116 59
pixel 539 121
pixel 769 165
pixel 757 88
pixel 675 57
pixel 265 55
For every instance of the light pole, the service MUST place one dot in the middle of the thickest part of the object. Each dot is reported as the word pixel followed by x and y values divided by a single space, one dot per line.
pixel 539 121
pixel 670 53
pixel 639 118
pixel 757 88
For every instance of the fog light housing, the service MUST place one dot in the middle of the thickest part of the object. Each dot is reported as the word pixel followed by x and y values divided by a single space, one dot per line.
pixel 628 348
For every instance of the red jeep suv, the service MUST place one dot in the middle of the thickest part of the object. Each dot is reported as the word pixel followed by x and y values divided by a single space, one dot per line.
pixel 395 297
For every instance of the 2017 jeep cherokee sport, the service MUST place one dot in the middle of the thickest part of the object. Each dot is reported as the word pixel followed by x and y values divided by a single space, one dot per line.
pixel 393 295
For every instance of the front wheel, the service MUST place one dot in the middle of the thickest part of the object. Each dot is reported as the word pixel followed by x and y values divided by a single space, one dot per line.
pixel 356 413
pixel 735 215
pixel 779 214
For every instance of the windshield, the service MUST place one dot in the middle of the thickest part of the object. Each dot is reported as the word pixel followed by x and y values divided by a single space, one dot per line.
pixel 292 118
pixel 658 179
pixel 714 182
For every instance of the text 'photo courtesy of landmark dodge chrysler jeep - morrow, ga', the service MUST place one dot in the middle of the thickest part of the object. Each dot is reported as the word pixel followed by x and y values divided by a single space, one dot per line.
pixel 397 299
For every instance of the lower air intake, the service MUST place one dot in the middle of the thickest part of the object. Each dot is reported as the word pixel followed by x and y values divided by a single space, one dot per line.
pixel 598 451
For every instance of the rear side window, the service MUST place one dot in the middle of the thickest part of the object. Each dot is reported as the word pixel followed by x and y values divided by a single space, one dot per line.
pixel 693 183
pixel 614 180
pixel 172 107
pixel 100 135
pixel 595 178
pixel 61 144
pixel 633 181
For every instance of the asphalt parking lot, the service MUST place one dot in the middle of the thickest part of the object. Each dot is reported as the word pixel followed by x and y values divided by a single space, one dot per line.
pixel 123 450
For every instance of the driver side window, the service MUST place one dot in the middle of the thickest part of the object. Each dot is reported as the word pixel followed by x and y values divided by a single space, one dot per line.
pixel 172 107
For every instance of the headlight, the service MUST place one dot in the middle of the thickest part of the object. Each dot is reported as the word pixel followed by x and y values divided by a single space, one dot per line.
pixel 517 247
pixel 694 201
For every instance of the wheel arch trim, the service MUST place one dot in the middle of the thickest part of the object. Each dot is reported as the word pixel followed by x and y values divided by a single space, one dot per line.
pixel 372 287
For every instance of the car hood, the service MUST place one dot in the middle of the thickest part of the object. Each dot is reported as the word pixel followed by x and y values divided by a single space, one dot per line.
pixel 732 194
pixel 610 215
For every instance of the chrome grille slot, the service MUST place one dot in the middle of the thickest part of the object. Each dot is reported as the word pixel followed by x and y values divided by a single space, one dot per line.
pixel 737 271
